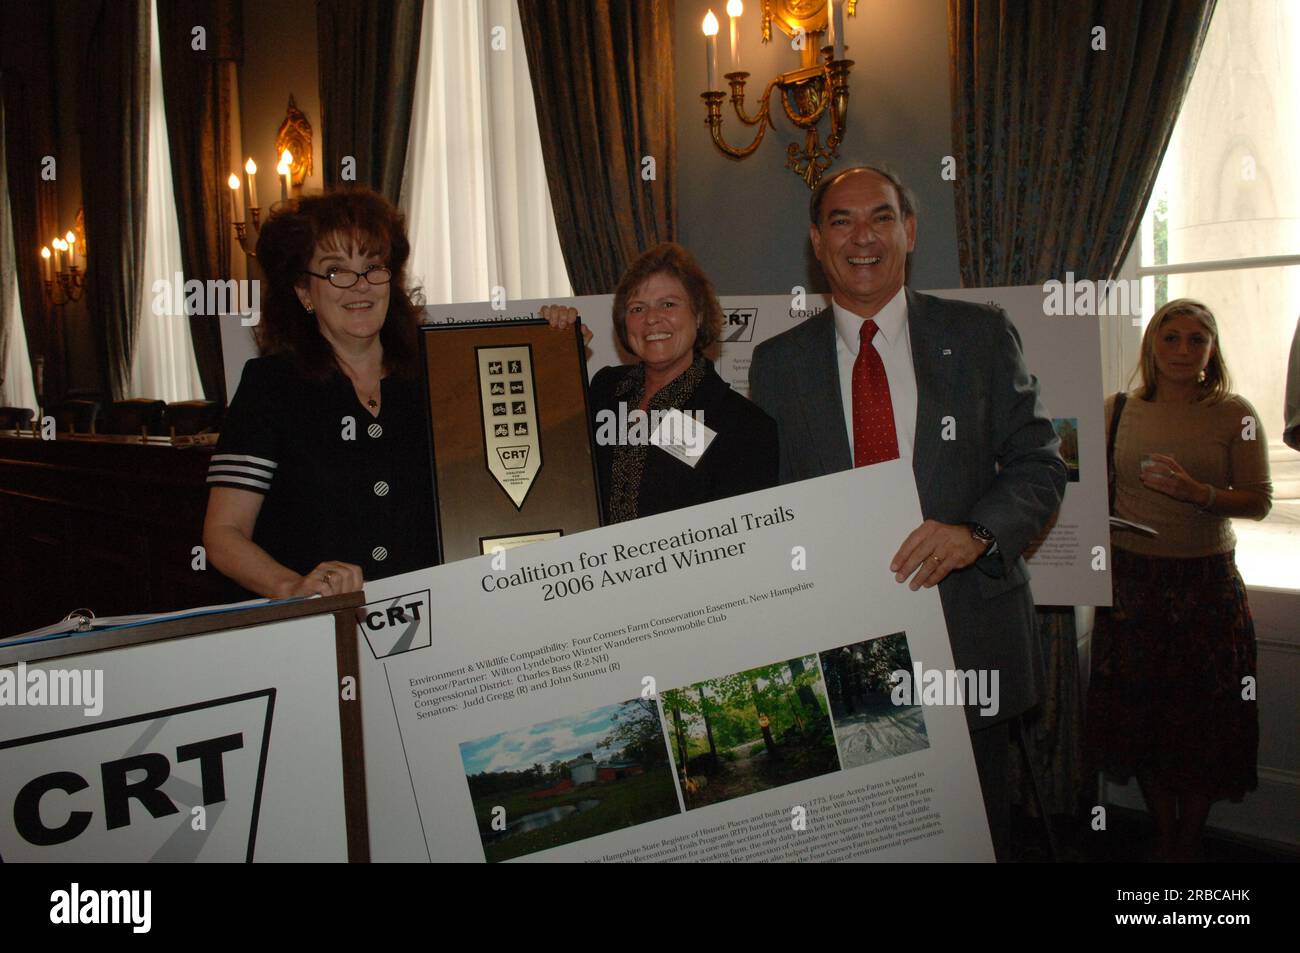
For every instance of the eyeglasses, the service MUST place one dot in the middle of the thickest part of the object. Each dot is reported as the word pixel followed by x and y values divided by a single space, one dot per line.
pixel 346 278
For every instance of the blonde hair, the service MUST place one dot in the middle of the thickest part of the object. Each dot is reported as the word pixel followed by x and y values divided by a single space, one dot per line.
pixel 1217 385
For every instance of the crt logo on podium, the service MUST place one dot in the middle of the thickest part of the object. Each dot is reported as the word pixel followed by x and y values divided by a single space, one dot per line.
pixel 176 785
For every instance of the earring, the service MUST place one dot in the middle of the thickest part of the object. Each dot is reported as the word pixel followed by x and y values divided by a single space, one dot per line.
pixel 310 309
pixel 1200 378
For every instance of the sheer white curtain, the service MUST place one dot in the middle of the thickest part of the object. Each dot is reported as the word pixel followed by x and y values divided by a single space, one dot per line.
pixel 16 386
pixel 163 366
pixel 18 389
pixel 474 189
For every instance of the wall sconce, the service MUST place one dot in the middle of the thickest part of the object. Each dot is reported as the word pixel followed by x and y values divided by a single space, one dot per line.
pixel 63 280
pixel 806 94
pixel 293 146
pixel 294 138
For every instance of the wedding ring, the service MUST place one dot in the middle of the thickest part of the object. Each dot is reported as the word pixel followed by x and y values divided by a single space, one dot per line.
pixel 937 558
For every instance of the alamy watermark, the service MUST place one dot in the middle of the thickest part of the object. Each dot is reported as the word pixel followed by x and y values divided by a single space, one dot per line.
pixel 662 428
pixel 1086 297
pixel 213 297
pixel 55 687
pixel 933 686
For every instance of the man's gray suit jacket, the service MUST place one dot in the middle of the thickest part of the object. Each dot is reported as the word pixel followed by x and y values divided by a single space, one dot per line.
pixel 1002 468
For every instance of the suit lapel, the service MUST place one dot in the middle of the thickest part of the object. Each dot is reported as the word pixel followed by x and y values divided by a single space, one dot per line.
pixel 934 383
pixel 822 405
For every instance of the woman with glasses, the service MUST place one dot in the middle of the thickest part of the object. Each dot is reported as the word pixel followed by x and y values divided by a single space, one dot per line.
pixel 320 479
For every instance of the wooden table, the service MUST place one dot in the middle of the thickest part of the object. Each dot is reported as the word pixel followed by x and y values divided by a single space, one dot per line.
pixel 107 523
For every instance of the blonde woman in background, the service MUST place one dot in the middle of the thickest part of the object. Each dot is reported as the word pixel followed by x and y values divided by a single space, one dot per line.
pixel 1171 657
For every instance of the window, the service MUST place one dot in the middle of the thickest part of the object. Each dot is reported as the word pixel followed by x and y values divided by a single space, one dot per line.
pixel 163 366
pixel 475 193
pixel 1223 226
pixel 16 386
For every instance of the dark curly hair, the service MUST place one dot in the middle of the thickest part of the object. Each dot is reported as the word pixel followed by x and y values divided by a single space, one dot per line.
pixel 669 258
pixel 351 216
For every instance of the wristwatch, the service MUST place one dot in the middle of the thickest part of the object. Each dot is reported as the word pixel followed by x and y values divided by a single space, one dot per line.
pixel 983 535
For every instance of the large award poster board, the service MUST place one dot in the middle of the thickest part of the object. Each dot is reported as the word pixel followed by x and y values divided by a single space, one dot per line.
pixel 221 747
pixel 708 684
pixel 1063 352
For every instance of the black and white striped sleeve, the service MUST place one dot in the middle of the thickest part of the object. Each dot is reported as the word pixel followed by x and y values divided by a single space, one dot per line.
pixel 248 451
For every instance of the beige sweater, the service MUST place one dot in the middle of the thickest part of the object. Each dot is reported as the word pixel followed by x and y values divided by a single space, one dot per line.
pixel 1206 440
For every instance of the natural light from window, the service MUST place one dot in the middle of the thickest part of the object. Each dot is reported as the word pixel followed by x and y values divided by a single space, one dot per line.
pixel 1228 196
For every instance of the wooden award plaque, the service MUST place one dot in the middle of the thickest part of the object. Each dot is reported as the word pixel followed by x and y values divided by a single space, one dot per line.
pixel 512 444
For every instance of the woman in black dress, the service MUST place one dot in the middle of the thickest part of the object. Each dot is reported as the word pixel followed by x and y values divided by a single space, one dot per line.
pixel 667 315
pixel 320 479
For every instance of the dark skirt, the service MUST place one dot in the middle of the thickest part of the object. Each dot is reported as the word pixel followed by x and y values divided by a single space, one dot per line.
pixel 1168 664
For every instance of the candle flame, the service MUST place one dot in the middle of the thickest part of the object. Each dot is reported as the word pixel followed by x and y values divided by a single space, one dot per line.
pixel 70 238
pixel 286 157
pixel 735 8
pixel 250 167
pixel 710 24
pixel 233 181
pixel 59 244
pixel 45 251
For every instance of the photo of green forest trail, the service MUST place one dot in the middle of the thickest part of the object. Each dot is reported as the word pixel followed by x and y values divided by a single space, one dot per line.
pixel 750 732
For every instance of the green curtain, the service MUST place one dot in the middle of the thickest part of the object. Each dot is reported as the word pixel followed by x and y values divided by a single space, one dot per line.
pixel 602 75
pixel 197 90
pixel 29 135
pixel 368 56
pixel 114 171
pixel 1057 143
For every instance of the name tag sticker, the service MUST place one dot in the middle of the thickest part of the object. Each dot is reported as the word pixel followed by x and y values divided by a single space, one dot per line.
pixel 683 436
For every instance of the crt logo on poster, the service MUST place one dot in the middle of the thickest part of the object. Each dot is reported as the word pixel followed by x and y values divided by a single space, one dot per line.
pixel 738 324
pixel 397 625
pixel 174 786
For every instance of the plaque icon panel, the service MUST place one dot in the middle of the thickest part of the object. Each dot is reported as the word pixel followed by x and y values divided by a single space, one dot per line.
pixel 512 461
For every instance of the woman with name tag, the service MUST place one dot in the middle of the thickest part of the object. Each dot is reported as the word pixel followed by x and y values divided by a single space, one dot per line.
pixel 1171 698
pixel 669 431
pixel 320 479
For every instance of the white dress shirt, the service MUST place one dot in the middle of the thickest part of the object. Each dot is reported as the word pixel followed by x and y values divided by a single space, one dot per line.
pixel 894 345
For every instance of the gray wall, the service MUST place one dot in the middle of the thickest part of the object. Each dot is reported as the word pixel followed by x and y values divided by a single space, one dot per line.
pixel 279 60
pixel 747 220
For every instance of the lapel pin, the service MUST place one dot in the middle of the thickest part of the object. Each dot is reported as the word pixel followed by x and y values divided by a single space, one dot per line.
pixel 947 352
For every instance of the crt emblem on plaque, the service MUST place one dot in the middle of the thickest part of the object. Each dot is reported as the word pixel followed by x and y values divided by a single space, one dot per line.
pixel 514 454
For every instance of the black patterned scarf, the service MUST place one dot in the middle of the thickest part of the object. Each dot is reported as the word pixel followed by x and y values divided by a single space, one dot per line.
pixel 628 466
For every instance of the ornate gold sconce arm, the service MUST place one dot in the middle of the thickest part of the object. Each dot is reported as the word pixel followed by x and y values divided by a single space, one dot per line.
pixel 806 95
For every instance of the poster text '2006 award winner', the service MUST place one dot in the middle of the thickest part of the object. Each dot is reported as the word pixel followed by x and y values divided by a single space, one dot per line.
pixel 716 683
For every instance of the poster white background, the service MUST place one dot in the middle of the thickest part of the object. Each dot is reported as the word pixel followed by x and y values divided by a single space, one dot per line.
pixel 420 801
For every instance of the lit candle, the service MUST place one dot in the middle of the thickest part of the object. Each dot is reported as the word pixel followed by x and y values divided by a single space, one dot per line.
pixel 236 213
pixel 835 23
pixel 71 239
pixel 250 183
pixel 47 266
pixel 286 169
pixel 711 45
pixel 59 263
pixel 734 9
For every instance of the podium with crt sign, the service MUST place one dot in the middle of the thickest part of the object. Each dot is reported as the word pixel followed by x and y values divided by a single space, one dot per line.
pixel 231 736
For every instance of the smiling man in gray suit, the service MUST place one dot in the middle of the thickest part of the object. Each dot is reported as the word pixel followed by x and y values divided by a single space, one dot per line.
pixel 887 373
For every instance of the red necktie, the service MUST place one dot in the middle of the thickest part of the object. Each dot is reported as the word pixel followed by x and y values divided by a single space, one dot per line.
pixel 874 437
